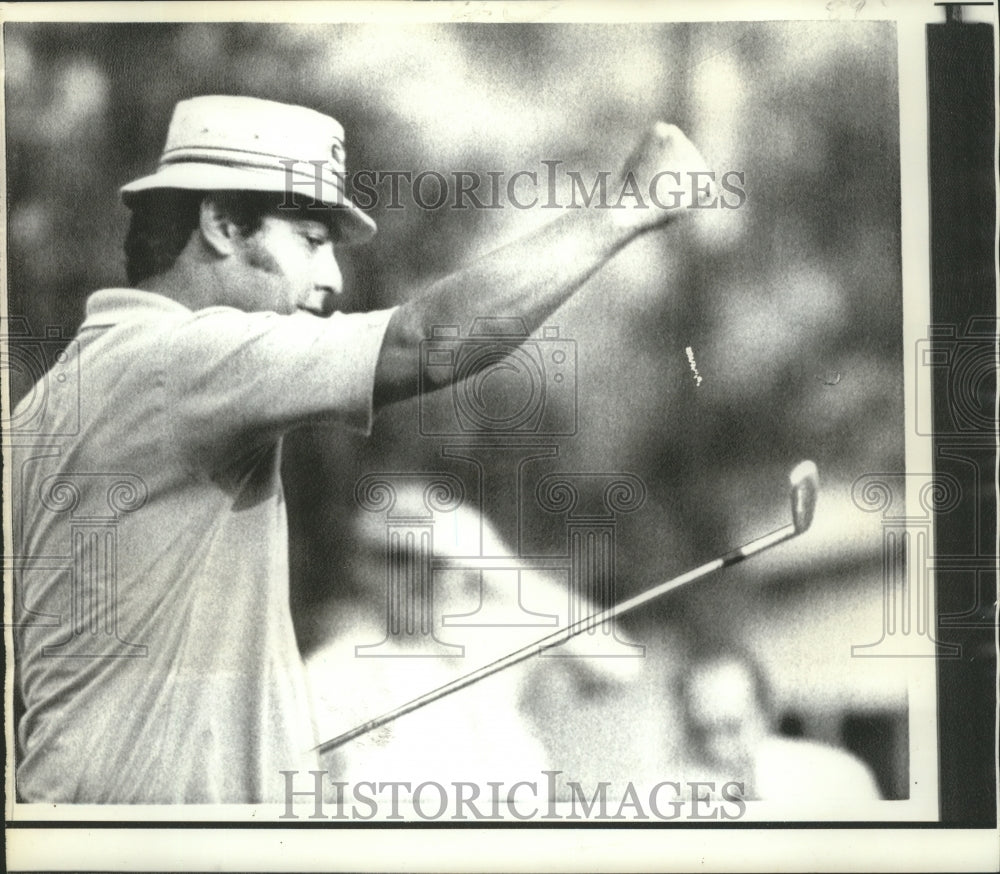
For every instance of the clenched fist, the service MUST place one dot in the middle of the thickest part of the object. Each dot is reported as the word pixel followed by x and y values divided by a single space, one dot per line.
pixel 664 177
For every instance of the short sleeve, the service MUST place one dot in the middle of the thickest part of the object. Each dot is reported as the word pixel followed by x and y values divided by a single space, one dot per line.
pixel 252 376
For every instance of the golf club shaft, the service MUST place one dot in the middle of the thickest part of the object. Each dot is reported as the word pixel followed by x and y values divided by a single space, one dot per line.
pixel 563 634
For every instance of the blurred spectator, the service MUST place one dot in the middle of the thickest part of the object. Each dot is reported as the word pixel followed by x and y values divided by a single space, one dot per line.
pixel 484 732
pixel 732 736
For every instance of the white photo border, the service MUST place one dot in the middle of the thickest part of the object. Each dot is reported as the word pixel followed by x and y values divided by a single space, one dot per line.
pixel 234 838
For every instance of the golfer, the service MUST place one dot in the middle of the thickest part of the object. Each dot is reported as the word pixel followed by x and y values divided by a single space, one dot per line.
pixel 159 664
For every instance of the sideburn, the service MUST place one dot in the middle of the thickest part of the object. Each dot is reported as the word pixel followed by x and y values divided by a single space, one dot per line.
pixel 258 257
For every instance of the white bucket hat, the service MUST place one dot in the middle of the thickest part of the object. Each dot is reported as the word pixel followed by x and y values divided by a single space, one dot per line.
pixel 223 143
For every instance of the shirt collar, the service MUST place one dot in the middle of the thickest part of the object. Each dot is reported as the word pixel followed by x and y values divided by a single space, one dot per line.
pixel 114 305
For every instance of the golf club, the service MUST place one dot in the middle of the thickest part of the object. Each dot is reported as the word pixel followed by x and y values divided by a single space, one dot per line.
pixel 804 480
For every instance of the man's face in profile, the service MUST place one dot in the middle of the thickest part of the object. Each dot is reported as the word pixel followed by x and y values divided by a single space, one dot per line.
pixel 725 720
pixel 288 264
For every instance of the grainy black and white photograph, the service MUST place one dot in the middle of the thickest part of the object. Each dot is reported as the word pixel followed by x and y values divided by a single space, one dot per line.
pixel 487 416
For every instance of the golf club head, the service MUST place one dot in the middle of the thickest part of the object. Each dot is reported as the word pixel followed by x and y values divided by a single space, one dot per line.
pixel 805 486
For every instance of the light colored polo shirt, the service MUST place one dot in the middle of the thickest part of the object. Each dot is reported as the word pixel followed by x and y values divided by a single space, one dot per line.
pixel 155 647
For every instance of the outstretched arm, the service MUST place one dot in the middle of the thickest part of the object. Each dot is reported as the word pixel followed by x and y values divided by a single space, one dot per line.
pixel 532 276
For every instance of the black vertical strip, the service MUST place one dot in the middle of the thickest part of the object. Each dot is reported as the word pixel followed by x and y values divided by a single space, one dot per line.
pixel 961 82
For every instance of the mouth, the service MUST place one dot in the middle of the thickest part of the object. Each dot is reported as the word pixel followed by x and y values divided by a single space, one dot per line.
pixel 319 302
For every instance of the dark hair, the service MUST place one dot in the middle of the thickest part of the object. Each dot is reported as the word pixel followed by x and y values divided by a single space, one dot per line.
pixel 164 219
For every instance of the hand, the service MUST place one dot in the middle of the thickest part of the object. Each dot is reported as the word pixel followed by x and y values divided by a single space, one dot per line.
pixel 664 178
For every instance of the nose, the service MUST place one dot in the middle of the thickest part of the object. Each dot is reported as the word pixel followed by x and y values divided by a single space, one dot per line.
pixel 327 275
pixel 327 281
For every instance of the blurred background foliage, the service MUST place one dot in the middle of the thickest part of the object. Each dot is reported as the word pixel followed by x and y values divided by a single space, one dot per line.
pixel 791 305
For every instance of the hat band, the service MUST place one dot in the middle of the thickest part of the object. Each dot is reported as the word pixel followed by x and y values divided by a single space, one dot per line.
pixel 247 157
pixel 241 157
pixel 317 171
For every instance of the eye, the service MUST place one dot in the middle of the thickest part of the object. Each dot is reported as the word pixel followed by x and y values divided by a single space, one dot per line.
pixel 316 241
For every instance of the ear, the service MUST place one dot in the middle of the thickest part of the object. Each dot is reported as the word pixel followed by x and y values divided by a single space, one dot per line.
pixel 217 229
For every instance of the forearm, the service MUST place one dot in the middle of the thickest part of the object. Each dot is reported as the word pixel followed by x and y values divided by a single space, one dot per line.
pixel 528 279
pixel 532 276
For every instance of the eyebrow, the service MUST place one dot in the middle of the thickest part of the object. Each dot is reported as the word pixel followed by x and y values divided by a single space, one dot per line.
pixel 330 228
pixel 313 227
pixel 302 215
